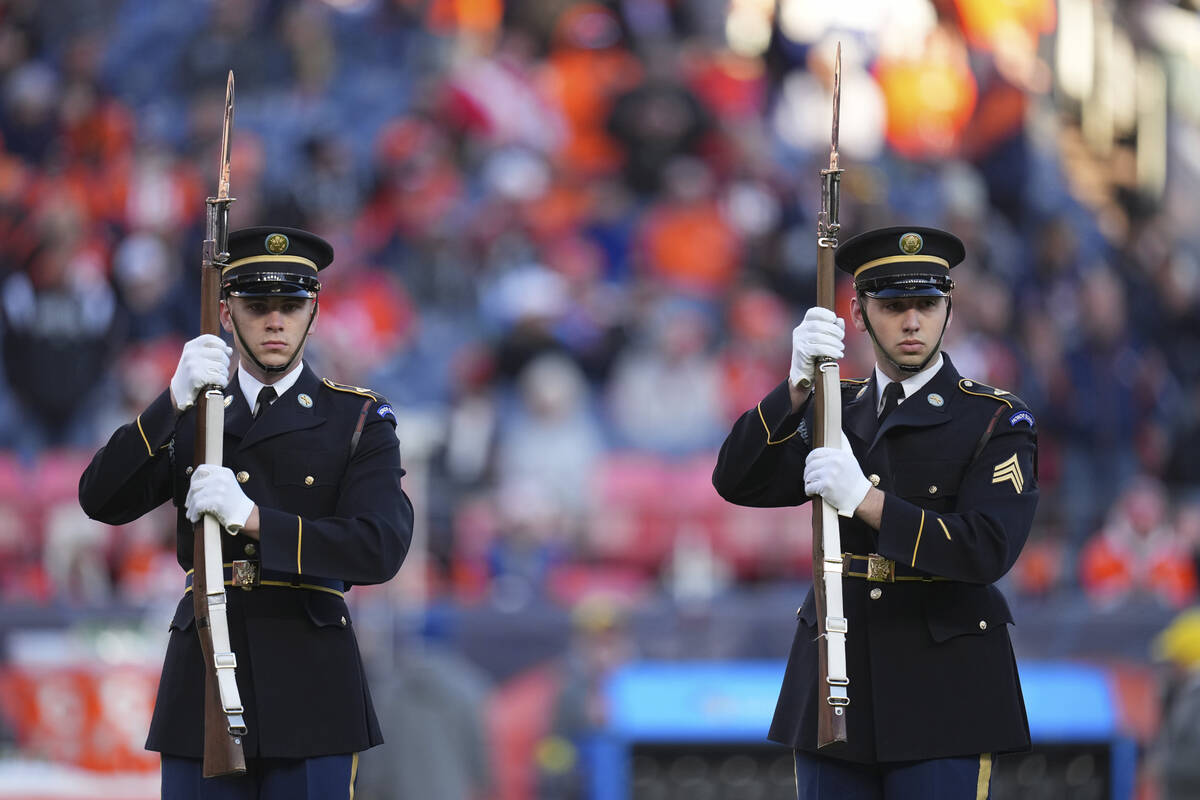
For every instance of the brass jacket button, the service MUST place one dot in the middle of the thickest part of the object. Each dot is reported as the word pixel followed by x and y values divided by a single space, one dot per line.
pixel 983 624
pixel 876 593
pixel 250 549
pixel 933 490
pixel 188 471
pixel 243 476
pixel 874 479
pixel 343 621
pixel 308 480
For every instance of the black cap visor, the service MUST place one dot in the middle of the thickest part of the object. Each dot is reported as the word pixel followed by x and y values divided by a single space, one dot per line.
pixel 271 284
pixel 894 286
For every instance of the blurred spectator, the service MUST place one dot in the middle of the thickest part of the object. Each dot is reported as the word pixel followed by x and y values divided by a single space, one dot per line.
pixel 1111 399
pixel 528 303
pixel 600 644
pixel 60 325
pixel 235 35
pixel 148 277
pixel 1176 755
pixel 29 122
pixel 552 439
pixel 666 392
pixel 587 66
pixel 753 359
pixel 657 120
pixel 494 97
pixel 530 541
pixel 924 124
pixel 430 704
pixel 687 241
pixel 803 114
pixel 1139 552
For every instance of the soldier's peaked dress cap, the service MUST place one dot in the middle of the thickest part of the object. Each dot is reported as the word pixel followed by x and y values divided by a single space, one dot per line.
pixel 274 261
pixel 901 262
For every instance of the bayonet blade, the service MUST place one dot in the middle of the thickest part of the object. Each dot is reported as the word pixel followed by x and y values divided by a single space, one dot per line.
pixel 227 141
pixel 837 105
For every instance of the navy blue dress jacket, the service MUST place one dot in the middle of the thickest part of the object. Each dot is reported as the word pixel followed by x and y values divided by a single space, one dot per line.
pixel 333 514
pixel 931 666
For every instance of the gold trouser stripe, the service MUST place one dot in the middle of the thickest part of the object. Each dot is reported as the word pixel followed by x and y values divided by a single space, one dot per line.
pixel 944 528
pixel 768 430
pixel 918 544
pixel 985 776
pixel 900 259
pixel 299 536
pixel 144 439
pixel 353 774
pixel 283 259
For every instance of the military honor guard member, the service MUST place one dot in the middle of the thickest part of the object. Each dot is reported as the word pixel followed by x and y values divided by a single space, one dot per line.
pixel 311 503
pixel 936 495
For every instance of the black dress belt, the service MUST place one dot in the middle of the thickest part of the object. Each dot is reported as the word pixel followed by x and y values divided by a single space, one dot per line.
pixel 249 575
pixel 877 569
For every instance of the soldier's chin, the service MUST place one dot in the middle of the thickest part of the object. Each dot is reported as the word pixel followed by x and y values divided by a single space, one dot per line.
pixel 909 359
pixel 274 358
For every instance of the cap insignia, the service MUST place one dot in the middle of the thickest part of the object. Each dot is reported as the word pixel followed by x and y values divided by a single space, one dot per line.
pixel 911 243
pixel 278 243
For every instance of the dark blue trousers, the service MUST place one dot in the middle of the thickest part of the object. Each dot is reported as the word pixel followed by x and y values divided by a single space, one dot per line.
pixel 320 778
pixel 936 779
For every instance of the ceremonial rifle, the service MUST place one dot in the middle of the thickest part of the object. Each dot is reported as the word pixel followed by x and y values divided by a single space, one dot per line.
pixel 224 725
pixel 833 686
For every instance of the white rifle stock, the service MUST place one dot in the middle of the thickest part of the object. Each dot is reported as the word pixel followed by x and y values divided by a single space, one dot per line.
pixel 224 724
pixel 834 683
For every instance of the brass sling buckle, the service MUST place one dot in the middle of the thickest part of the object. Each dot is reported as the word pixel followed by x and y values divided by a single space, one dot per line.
pixel 880 569
pixel 245 574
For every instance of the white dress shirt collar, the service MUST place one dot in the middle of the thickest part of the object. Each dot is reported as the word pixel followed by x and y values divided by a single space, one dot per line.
pixel 251 385
pixel 910 385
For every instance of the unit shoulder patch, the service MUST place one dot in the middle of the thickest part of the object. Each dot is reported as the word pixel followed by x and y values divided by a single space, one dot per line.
pixel 358 390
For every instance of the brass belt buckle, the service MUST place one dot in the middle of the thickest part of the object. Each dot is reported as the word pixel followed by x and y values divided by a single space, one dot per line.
pixel 880 569
pixel 245 574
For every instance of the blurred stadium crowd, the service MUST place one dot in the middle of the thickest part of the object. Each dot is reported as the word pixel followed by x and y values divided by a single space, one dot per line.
pixel 572 239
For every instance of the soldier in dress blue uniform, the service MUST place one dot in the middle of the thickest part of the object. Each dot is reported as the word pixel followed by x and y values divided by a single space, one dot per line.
pixel 310 501
pixel 936 493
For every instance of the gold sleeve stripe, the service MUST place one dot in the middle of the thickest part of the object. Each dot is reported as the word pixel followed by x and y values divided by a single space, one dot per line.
pixel 149 449
pixel 918 544
pixel 299 536
pixel 985 777
pixel 353 774
pixel 944 528
pixel 768 430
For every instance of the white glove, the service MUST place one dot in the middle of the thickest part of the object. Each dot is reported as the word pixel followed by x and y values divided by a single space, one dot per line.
pixel 820 335
pixel 215 491
pixel 834 474
pixel 205 362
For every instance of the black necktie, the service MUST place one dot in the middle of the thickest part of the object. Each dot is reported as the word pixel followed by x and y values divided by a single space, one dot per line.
pixel 891 398
pixel 266 396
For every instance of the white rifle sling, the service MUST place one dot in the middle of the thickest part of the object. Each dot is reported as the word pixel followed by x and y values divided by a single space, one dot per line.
pixel 835 620
pixel 214 577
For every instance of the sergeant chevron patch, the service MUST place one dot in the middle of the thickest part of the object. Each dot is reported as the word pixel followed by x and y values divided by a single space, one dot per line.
pixel 1009 470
